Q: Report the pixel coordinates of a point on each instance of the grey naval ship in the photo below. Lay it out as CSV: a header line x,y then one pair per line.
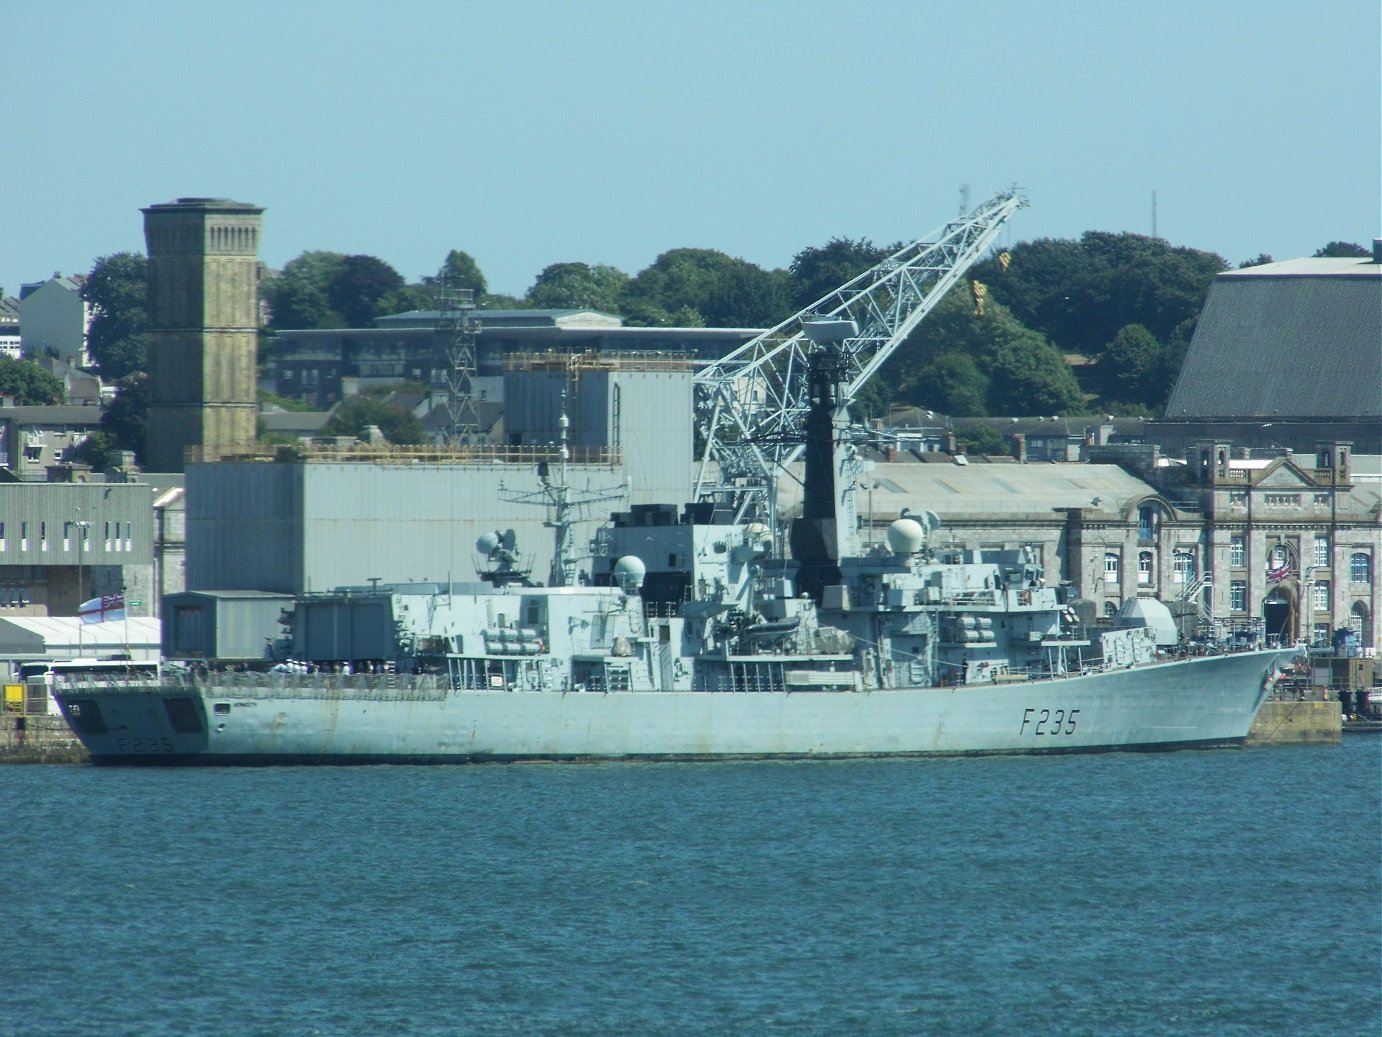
x,y
690,638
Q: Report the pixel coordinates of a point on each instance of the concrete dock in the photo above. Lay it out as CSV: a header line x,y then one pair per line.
x,y
1295,722
38,739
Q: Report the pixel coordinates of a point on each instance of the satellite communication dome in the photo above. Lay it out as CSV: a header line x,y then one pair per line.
x,y
487,543
905,536
629,572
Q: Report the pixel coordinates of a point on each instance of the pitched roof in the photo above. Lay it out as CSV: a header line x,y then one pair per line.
x,y
1300,339
982,491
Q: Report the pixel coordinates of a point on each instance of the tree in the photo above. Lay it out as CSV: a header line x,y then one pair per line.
x,y
1131,367
816,272
459,270
299,295
982,439
1079,294
298,303
117,291
1028,375
1341,250
124,418
578,286
398,425
357,288
406,299
952,384
1262,259
27,384
96,450
709,288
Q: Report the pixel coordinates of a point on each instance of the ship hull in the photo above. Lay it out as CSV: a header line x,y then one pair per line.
x,y
1194,703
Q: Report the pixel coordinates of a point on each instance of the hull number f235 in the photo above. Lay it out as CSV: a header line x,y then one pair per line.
x,y
1044,721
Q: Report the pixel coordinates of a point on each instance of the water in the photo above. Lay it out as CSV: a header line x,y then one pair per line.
x,y
1229,892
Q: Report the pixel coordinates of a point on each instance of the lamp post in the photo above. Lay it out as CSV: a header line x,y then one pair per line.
x,y
869,486
80,525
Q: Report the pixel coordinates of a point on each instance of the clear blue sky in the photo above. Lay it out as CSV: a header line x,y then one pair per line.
x,y
535,131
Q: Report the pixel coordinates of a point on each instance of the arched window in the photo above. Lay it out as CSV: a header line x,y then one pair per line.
x,y
1184,563
1110,568
1146,522
1360,567
1144,567
1358,619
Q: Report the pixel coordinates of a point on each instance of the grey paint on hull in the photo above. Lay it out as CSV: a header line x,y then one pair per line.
x,y
1203,702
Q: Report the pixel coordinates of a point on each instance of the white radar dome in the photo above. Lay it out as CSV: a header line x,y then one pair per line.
x,y
629,572
905,536
487,543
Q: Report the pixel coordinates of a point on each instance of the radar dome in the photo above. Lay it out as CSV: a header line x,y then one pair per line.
x,y
487,543
905,536
629,572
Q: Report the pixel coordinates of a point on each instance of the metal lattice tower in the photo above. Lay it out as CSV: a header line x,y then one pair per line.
x,y
750,405
456,326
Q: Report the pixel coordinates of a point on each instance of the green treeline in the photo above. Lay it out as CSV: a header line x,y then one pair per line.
x,y
1098,324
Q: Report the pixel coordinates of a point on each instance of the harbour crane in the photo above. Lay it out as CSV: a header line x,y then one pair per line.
x,y
750,404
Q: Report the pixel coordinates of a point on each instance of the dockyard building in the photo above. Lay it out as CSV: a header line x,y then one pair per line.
x,y
324,367
1285,355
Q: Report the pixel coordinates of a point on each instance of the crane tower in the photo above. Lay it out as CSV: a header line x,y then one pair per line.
x,y
750,405
456,325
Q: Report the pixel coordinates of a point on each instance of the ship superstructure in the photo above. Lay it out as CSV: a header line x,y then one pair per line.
x,y
691,639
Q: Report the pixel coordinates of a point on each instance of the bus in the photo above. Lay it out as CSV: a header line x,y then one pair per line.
x,y
33,694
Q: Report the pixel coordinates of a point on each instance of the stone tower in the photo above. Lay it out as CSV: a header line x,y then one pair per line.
x,y
203,319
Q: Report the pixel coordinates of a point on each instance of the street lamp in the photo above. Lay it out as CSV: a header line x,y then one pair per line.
x,y
81,525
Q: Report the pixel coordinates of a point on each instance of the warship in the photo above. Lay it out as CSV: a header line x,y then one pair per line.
x,y
692,636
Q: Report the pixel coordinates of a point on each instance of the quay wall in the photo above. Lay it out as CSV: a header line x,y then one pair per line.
x,y
38,739
1288,722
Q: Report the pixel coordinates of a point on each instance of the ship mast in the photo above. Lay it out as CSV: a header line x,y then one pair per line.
x,y
555,493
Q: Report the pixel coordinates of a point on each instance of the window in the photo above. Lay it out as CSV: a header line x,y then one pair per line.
x,y
1359,564
1184,565
1238,595
1146,522
1110,568
1237,553
1144,567
1322,550
1321,596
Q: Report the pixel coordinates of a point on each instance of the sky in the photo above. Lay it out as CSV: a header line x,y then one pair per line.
x,y
533,132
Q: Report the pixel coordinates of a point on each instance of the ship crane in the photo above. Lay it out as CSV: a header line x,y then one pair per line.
x,y
750,405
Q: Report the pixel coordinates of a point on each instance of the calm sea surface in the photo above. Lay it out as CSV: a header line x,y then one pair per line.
x,y
1228,892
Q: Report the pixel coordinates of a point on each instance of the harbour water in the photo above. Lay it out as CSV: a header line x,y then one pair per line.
x,y
1224,892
